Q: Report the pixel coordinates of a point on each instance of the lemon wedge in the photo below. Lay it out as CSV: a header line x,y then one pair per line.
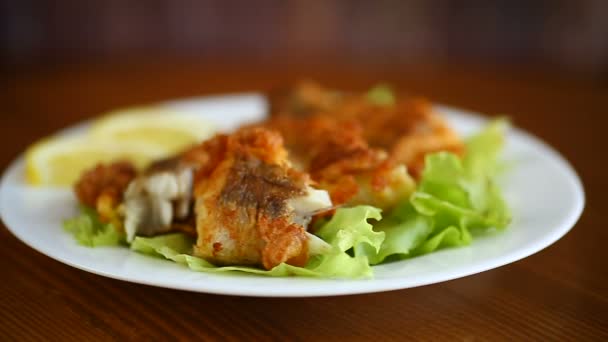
x,y
171,131
139,135
59,161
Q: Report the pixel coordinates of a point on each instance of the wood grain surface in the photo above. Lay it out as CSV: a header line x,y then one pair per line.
x,y
561,293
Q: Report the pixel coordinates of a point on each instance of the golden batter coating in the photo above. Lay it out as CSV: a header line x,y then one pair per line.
x,y
102,187
407,129
357,148
243,212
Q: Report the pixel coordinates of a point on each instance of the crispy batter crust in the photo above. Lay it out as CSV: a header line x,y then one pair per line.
x,y
242,212
351,145
336,155
108,181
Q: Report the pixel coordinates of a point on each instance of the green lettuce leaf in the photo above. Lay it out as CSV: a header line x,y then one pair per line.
x,y
464,192
381,95
455,196
89,231
347,228
404,230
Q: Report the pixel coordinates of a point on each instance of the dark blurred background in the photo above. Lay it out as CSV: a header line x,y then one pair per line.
x,y
569,36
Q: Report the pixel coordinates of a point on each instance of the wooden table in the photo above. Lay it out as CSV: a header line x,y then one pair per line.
x,y
560,293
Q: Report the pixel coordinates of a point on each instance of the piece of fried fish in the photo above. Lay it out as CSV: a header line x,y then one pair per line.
x,y
251,206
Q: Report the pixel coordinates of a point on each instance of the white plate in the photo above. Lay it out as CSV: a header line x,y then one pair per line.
x,y
543,191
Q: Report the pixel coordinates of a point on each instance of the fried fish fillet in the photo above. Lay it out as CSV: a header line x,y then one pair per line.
x,y
407,129
337,156
102,188
252,207
159,199
104,180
